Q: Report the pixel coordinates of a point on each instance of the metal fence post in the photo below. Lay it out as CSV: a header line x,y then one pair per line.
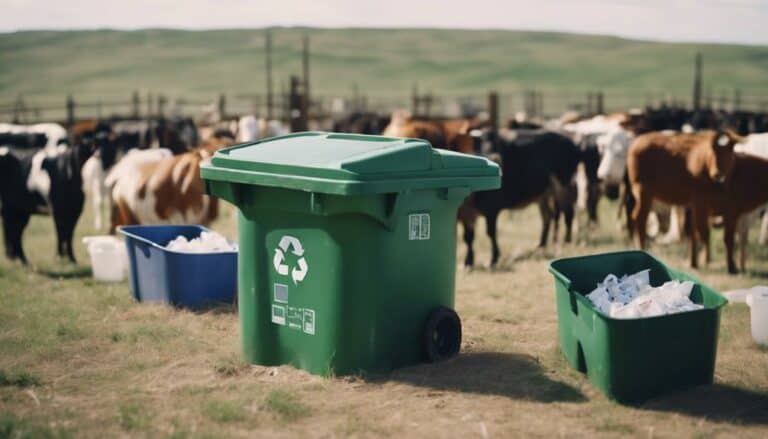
x,y
70,104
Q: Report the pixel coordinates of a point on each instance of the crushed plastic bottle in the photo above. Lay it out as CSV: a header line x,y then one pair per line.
x,y
207,242
633,297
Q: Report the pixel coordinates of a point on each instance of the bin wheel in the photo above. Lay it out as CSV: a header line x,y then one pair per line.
x,y
442,334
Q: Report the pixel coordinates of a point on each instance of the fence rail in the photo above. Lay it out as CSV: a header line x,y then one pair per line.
x,y
544,103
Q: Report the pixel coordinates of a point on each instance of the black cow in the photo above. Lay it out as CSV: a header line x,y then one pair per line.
x,y
55,187
362,123
24,140
537,166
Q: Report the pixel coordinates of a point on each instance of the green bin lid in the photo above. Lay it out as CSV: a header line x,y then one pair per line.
x,y
349,164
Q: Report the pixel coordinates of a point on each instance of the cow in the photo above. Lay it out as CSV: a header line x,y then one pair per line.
x,y
738,200
362,123
537,166
42,135
173,134
754,145
679,170
452,134
742,193
250,128
168,191
96,182
43,182
597,137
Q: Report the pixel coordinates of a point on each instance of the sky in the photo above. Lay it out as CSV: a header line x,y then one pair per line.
x,y
720,21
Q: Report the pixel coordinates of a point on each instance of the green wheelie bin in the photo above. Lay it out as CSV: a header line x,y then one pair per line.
x,y
347,248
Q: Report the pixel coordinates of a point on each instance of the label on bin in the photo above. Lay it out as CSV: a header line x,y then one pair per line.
x,y
278,314
294,317
281,293
418,226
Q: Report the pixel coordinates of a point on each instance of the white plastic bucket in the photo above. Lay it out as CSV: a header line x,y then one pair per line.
x,y
758,304
109,260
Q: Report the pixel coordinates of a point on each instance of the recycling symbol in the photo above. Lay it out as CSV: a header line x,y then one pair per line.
x,y
299,272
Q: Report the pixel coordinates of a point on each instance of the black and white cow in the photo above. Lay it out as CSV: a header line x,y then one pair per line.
x,y
43,182
538,166
41,135
175,134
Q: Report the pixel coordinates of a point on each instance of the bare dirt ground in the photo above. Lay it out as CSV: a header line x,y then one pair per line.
x,y
80,358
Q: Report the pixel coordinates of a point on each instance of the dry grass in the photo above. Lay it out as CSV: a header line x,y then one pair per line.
x,y
79,358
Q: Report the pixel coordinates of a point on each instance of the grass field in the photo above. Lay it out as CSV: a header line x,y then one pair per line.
x,y
82,359
46,65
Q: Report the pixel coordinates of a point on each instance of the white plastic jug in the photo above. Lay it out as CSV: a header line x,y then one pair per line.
x,y
109,259
758,304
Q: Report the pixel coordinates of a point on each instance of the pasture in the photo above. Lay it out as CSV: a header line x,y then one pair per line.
x,y
45,66
83,359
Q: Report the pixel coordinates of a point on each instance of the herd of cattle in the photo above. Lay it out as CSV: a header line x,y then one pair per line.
x,y
148,172
678,167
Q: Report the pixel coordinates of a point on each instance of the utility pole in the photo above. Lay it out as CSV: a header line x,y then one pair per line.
x,y
697,83
305,65
493,114
415,99
268,54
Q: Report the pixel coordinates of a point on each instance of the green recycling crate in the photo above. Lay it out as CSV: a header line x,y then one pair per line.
x,y
347,247
632,360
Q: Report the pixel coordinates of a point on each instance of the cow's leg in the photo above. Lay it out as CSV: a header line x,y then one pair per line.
x,y
593,198
8,235
490,226
568,213
628,202
468,218
642,207
59,224
728,235
764,229
97,201
69,231
14,223
545,210
70,222
673,233
700,216
65,221
121,216
556,213
742,230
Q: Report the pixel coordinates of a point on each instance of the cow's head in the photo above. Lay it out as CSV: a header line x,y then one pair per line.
x,y
613,147
461,140
719,161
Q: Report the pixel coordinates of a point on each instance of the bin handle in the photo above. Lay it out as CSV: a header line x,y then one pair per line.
x,y
394,206
144,247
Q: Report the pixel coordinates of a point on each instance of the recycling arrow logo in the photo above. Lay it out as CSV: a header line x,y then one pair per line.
x,y
299,272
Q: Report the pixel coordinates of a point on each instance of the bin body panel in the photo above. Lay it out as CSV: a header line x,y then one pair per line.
x,y
367,292
190,280
634,360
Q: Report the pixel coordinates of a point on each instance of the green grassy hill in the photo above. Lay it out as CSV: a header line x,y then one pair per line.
x,y
46,65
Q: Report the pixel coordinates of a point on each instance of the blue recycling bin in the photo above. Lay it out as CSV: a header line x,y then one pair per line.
x,y
189,280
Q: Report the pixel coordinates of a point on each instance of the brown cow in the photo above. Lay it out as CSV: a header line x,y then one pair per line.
x,y
682,170
450,134
169,191
744,191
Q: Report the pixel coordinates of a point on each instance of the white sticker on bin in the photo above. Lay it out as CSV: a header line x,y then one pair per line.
x,y
418,226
